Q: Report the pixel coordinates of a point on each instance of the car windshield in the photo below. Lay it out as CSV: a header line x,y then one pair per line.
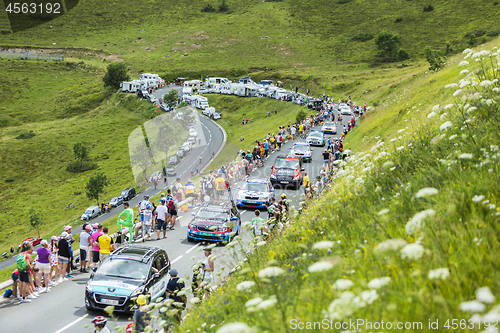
x,y
124,268
124,193
286,164
255,187
329,124
88,211
300,147
114,199
213,213
315,134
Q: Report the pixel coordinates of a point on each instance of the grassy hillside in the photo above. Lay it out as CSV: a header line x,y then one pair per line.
x,y
408,232
302,34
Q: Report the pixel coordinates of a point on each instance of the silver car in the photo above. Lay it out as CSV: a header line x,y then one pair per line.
x,y
329,128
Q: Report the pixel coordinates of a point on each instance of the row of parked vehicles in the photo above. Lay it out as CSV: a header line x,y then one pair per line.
x,y
95,211
184,149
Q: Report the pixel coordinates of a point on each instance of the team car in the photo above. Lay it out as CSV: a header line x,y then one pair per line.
x,y
255,193
126,273
329,127
287,171
316,138
215,221
303,150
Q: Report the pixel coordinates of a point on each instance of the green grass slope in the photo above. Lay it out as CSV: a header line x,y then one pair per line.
x,y
302,34
408,234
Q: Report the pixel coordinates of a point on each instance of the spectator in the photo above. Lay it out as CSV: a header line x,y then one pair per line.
x,y
161,219
190,189
95,244
85,241
259,226
43,265
71,240
106,245
54,260
15,280
178,186
64,256
208,268
174,286
171,209
141,318
220,185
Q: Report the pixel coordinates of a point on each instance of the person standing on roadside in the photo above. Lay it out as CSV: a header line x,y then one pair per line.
x,y
259,226
43,264
128,222
306,182
179,187
171,209
141,318
54,260
208,268
71,240
161,219
106,245
64,256
95,245
85,241
174,286
24,268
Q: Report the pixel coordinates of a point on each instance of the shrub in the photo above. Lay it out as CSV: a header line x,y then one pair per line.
x,y
389,45
363,37
26,135
477,33
398,20
344,1
434,58
209,8
9,179
403,55
429,8
472,41
448,49
223,8
300,116
115,74
494,33
77,193
80,166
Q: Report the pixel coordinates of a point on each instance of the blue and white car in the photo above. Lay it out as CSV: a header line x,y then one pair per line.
x,y
255,193
316,138
303,150
329,128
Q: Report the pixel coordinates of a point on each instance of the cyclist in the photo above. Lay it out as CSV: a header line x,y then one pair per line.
x,y
145,209
100,324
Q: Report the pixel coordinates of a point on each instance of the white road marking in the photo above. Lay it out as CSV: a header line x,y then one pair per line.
x,y
243,211
69,325
172,261
194,247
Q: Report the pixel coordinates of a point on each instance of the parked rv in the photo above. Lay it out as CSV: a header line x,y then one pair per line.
x,y
199,102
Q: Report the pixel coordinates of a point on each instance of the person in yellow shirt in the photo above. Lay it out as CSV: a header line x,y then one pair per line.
x,y
301,127
106,244
220,185
306,181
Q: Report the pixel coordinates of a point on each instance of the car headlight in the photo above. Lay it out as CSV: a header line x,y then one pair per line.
x,y
223,228
89,286
272,176
192,226
137,292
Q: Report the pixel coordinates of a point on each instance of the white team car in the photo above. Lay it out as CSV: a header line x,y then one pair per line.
x,y
255,193
301,149
329,127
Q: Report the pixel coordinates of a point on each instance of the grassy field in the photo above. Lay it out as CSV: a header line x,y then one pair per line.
x,y
176,38
408,232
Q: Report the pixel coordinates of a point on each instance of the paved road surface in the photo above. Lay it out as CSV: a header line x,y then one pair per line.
x,y
62,309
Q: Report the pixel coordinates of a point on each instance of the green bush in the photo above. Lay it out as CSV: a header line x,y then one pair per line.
x,y
343,1
223,8
26,135
403,55
494,33
448,49
300,116
472,41
363,37
209,8
9,179
429,8
80,166
435,59
398,20
477,33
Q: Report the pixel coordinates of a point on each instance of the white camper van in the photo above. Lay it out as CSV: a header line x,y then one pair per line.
x,y
149,79
199,102
208,111
193,84
131,86
216,82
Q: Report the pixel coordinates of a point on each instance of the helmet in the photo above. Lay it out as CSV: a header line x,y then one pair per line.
x,y
100,320
146,196
283,195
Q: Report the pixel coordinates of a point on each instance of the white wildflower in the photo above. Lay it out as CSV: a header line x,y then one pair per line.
x,y
439,273
359,181
457,93
261,243
467,51
447,106
342,307
464,71
245,285
496,89
484,295
451,85
253,302
478,198
236,327
412,251
379,282
320,266
492,316
472,108
481,54
342,284
464,83
365,298
463,63
390,245
485,83
194,300
432,114
415,224
270,272
445,125
267,303
400,148
465,156
492,206
323,245
472,306
436,107
426,191
383,212
388,164
453,136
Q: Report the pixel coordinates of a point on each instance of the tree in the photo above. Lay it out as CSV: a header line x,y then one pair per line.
x,y
116,73
36,220
300,116
96,185
472,41
170,98
223,7
388,45
80,151
435,59
403,55
448,49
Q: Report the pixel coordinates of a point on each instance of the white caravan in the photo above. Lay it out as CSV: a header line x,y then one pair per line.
x,y
216,83
131,86
199,102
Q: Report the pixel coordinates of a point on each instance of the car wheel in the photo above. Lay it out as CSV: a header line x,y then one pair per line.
x,y
190,239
